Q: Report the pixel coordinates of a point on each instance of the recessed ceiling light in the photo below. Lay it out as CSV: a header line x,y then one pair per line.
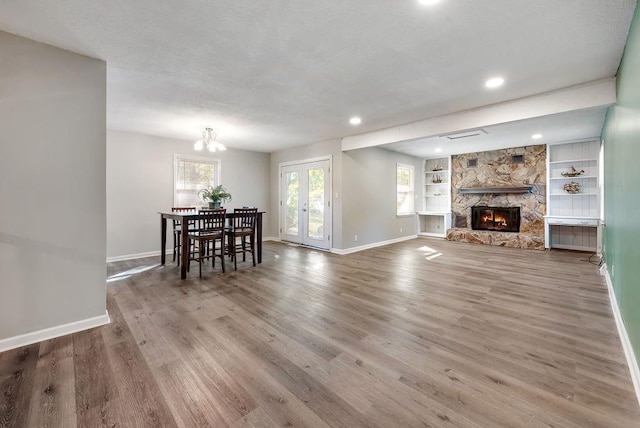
x,y
494,82
536,136
428,2
438,149
355,121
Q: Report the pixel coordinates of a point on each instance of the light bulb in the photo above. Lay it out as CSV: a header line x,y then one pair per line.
x,y
495,82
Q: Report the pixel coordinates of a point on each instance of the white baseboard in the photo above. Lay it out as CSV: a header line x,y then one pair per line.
x,y
372,245
632,361
137,256
157,253
53,332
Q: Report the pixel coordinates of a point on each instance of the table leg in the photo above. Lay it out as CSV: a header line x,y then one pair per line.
x,y
259,233
185,249
163,239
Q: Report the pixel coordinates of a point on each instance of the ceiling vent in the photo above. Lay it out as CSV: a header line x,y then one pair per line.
x,y
465,134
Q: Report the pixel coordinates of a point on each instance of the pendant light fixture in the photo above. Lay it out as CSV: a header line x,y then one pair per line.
x,y
209,141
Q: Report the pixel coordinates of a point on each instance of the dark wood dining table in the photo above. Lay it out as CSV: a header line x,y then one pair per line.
x,y
184,218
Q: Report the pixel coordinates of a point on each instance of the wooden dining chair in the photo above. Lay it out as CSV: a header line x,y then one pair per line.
x,y
177,231
210,228
243,226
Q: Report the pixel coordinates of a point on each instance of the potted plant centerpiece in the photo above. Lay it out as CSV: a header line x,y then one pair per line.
x,y
215,195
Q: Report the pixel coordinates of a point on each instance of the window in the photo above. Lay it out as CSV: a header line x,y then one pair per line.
x,y
192,174
405,189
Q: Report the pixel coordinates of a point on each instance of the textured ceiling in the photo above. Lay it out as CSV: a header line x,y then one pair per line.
x,y
576,125
274,74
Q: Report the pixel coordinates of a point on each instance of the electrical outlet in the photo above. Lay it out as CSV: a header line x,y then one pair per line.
x,y
355,238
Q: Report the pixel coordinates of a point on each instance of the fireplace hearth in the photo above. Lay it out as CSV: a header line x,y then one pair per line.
x,y
503,219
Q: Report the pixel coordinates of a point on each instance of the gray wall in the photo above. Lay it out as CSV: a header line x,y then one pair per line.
x,y
369,202
331,148
52,170
140,183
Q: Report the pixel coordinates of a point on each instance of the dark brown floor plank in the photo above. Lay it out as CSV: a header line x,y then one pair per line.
x,y
97,401
17,375
53,402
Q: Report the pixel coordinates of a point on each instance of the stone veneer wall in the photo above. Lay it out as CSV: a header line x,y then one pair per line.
x,y
496,169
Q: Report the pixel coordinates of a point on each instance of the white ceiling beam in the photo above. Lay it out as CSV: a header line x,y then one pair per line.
x,y
594,94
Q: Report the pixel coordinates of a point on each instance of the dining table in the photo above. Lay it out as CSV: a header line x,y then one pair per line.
x,y
186,217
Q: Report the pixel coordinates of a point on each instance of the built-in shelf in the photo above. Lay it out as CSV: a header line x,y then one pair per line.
x,y
572,161
572,178
511,189
572,218
433,212
573,194
435,219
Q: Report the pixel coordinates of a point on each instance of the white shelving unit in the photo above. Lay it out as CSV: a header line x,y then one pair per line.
x,y
572,221
435,219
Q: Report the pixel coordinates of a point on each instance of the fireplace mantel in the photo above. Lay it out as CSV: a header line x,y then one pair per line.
x,y
505,189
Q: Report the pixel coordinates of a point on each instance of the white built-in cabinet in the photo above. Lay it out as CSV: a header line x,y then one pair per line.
x,y
573,219
435,218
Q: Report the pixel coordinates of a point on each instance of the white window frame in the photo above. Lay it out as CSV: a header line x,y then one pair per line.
x,y
412,191
204,159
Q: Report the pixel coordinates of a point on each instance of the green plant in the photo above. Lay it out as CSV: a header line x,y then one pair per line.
x,y
215,194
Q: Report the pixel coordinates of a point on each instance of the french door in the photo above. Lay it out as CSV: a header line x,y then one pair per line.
x,y
305,205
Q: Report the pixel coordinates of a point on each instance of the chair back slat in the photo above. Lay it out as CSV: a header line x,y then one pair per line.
x,y
212,220
178,223
244,218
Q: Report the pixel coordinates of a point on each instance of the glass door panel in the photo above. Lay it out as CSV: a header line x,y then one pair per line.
x,y
291,218
305,204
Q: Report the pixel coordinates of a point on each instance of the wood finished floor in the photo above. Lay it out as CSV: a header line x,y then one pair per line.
x,y
476,337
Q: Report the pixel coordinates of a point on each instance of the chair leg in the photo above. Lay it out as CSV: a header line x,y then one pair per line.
x,y
177,245
252,240
233,253
200,253
174,247
222,253
232,246
191,254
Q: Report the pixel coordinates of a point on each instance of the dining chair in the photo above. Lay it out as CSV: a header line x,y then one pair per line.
x,y
177,231
210,228
243,225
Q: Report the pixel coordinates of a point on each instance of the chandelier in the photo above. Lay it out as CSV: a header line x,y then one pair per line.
x,y
209,141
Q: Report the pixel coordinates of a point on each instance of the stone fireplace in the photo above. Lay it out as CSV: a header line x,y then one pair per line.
x,y
505,181
495,218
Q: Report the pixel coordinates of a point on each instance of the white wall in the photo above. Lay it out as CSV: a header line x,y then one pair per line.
x,y
52,175
326,148
369,203
140,183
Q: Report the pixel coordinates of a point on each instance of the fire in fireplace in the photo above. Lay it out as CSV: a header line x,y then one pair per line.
x,y
495,218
